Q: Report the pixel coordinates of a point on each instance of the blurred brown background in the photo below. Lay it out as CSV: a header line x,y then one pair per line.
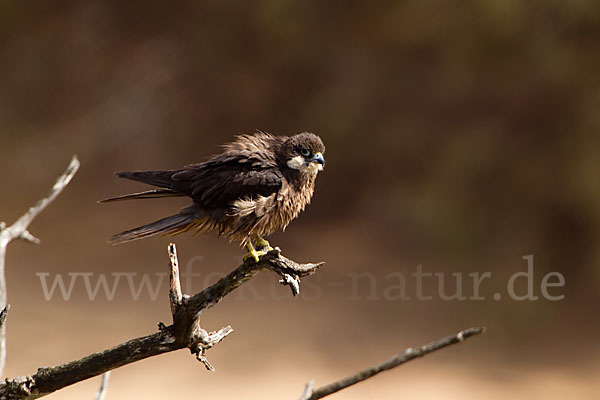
x,y
460,136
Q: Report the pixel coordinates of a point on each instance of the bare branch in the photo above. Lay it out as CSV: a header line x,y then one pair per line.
x,y
196,338
207,340
18,230
308,389
273,260
405,356
3,315
186,318
102,390
20,226
185,332
28,237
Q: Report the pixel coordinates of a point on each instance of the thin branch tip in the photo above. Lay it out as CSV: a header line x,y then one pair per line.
x,y
19,230
175,294
204,340
102,390
28,237
308,390
3,315
399,359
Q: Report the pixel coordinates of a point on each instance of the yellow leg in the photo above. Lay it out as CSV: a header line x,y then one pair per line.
x,y
252,252
261,243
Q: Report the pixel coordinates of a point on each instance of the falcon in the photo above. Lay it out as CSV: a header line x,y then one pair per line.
x,y
257,185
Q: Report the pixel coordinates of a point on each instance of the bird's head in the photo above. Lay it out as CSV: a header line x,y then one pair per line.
x,y
304,152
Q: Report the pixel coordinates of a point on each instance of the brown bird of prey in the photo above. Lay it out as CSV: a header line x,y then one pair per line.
x,y
259,184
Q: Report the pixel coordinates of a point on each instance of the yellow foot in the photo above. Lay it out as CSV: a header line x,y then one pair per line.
x,y
262,244
253,253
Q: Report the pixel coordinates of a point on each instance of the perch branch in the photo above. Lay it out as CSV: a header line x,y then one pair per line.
x,y
197,339
18,230
186,318
185,332
273,261
405,356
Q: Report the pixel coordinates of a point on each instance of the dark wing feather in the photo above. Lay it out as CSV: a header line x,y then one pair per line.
x,y
229,177
216,183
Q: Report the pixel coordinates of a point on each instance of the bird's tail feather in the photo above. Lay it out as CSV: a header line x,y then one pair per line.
x,y
157,178
172,224
148,194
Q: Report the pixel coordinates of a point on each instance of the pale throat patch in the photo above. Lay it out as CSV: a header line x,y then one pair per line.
x,y
298,163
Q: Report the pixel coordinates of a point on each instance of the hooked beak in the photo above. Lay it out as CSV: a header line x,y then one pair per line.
x,y
318,158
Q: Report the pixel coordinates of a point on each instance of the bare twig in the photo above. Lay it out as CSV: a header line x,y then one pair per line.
x,y
308,389
206,340
3,314
102,390
28,237
18,230
405,356
175,296
185,332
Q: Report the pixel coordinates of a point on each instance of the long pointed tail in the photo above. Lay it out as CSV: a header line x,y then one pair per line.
x,y
159,178
172,224
148,194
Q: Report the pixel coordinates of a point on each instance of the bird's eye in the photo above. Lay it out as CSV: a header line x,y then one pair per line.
x,y
305,152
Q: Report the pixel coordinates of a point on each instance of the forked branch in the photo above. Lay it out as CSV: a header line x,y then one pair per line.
x,y
185,332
